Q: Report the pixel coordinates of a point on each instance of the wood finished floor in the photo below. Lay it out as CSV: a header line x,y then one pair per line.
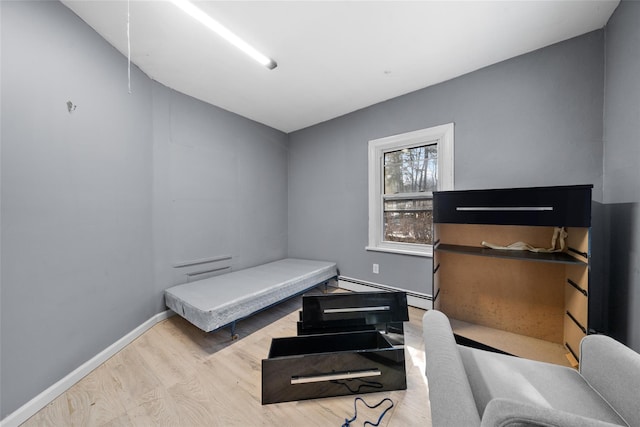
x,y
177,375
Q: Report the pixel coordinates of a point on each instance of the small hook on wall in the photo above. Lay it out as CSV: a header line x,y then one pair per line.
x,y
71,106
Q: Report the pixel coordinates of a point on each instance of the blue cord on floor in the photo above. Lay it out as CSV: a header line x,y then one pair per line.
x,y
347,423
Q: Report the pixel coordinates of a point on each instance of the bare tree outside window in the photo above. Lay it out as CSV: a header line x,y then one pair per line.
x,y
410,177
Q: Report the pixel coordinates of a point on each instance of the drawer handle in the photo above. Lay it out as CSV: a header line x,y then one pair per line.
x,y
356,309
504,208
335,376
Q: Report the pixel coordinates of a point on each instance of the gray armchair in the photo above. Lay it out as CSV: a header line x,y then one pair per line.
x,y
471,387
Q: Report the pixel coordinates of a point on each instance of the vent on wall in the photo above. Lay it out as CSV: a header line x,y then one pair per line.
x,y
189,271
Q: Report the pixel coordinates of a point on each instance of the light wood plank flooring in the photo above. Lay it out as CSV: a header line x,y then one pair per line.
x,y
177,375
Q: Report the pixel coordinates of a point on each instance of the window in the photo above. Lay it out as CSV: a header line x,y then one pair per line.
x,y
404,171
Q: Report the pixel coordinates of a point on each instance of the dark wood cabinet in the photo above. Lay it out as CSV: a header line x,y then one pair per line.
x,y
526,303
347,344
337,364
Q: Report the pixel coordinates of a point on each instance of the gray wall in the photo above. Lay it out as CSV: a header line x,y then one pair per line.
x,y
621,171
99,204
77,266
532,120
220,188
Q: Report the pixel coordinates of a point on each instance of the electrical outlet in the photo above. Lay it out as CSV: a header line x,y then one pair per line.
x,y
376,268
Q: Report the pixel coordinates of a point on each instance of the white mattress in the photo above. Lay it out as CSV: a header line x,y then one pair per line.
x,y
217,301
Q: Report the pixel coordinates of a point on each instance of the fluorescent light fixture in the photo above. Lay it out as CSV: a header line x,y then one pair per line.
x,y
224,32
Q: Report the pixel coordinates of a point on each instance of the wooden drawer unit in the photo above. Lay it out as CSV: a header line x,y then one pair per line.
x,y
537,295
337,364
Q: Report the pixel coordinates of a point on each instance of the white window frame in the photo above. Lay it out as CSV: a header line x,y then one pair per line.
x,y
441,135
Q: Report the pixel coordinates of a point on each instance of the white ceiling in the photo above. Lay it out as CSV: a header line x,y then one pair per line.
x,y
334,57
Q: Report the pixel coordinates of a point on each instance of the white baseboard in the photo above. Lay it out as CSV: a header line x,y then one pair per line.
x,y
414,299
30,408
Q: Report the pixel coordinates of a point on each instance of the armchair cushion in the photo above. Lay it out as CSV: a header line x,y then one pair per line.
x,y
538,384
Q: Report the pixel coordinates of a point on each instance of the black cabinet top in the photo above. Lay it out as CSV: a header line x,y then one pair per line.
x,y
566,206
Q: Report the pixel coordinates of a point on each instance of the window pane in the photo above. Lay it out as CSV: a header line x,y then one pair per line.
x,y
408,221
411,170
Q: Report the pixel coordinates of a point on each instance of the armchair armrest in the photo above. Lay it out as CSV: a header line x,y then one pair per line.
x,y
452,402
510,413
613,370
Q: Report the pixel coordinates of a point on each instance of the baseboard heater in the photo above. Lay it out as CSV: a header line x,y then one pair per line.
x,y
424,300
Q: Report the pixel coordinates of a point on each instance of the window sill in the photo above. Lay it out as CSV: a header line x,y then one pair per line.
x,y
427,253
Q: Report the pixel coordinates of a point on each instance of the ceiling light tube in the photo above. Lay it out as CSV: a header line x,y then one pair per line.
x,y
196,13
